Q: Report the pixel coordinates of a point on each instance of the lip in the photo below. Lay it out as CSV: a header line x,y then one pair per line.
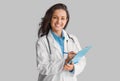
x,y
57,25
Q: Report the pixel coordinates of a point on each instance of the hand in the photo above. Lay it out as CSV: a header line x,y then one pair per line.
x,y
69,67
70,56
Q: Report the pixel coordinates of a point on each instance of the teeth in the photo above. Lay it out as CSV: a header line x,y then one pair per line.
x,y
57,25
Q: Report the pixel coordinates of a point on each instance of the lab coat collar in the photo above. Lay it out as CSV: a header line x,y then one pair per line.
x,y
64,32
55,44
65,35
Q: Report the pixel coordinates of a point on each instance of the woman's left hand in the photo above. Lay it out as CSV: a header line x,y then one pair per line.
x,y
69,67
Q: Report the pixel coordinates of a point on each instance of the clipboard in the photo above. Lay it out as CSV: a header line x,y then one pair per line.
x,y
80,54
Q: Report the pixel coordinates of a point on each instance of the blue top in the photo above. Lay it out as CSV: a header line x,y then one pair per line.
x,y
60,40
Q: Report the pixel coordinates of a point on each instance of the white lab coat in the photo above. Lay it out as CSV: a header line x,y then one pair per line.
x,y
52,64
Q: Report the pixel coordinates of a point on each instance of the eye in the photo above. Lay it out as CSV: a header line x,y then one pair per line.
x,y
54,17
63,18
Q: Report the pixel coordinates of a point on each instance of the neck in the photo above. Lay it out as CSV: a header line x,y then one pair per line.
x,y
59,33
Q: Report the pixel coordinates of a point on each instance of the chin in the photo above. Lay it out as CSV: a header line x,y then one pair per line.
x,y
58,29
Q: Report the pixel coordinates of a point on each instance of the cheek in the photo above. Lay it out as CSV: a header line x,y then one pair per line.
x,y
65,22
53,21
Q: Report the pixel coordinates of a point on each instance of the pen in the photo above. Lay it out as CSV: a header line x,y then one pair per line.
x,y
65,52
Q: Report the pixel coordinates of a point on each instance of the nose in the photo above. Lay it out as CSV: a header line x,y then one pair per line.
x,y
58,20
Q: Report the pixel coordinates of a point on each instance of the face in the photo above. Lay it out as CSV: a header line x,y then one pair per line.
x,y
59,19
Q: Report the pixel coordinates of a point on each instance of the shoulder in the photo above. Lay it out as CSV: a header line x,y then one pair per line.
x,y
73,36
41,39
69,35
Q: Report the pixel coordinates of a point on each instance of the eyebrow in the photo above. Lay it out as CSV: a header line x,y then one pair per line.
x,y
61,16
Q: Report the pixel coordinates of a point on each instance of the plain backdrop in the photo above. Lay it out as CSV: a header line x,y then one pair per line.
x,y
94,22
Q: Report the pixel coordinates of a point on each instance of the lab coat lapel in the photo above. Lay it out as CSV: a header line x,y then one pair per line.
x,y
55,44
65,41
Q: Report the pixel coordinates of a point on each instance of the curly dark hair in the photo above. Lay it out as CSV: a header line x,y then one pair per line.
x,y
45,23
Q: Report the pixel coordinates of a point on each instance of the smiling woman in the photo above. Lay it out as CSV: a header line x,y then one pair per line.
x,y
58,21
52,45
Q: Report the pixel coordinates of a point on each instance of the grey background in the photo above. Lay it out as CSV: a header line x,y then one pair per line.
x,y
94,22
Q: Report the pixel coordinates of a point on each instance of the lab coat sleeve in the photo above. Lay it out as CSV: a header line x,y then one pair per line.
x,y
44,63
79,67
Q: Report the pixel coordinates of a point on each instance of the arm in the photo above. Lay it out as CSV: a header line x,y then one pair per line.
x,y
79,67
44,63
69,66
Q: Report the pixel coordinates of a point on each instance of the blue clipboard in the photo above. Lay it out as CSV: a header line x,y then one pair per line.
x,y
79,55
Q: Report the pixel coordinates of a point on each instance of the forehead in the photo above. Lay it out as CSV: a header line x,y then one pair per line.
x,y
59,12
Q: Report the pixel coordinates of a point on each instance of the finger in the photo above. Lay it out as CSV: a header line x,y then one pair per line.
x,y
72,63
72,52
66,68
69,65
69,68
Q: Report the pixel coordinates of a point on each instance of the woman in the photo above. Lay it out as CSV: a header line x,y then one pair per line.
x,y
55,47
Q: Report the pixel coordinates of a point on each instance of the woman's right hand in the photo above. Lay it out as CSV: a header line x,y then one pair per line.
x,y
70,56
